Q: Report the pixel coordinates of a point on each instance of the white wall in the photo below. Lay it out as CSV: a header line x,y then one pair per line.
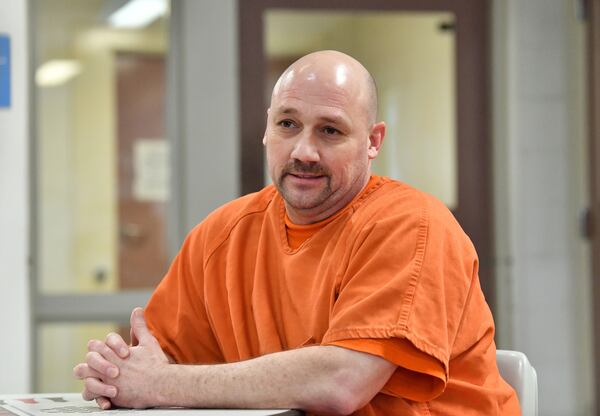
x,y
14,210
540,186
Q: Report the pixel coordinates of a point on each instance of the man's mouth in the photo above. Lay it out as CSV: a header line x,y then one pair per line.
x,y
303,180
305,175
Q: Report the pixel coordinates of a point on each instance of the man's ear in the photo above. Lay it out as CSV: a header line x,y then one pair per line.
x,y
376,139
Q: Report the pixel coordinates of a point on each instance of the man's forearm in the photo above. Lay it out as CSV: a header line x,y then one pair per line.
x,y
322,379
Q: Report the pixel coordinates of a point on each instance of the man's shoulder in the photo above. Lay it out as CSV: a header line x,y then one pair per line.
x,y
394,199
224,218
252,203
391,196
396,207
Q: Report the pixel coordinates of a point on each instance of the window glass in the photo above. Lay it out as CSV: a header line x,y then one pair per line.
x,y
63,346
412,57
102,166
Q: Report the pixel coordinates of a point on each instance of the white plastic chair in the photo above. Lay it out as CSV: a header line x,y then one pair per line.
x,y
515,368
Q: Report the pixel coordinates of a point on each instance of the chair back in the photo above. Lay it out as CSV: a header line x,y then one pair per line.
x,y
515,368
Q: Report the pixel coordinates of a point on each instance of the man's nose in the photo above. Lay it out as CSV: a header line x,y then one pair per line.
x,y
306,148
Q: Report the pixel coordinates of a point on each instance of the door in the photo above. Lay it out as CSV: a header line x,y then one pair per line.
x,y
473,204
142,156
91,206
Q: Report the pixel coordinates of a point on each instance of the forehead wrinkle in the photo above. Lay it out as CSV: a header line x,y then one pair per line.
x,y
336,98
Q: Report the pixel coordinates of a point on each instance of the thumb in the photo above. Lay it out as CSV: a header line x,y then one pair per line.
x,y
139,329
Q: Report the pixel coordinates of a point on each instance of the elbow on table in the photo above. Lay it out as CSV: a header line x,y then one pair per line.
x,y
347,382
347,404
336,404
340,399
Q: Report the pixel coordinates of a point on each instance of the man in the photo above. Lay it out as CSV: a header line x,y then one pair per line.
x,y
333,291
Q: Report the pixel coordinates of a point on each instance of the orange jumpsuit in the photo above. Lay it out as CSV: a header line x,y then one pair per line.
x,y
391,274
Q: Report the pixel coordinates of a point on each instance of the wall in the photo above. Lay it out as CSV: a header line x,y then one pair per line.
x,y
14,209
540,187
203,111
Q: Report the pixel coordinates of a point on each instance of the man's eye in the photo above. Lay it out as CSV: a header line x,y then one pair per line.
x,y
330,131
287,124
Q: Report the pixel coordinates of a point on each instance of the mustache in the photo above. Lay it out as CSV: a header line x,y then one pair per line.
x,y
297,166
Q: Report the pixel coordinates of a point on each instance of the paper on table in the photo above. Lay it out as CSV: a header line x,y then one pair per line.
x,y
73,404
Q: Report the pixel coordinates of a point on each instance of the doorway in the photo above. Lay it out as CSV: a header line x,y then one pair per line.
x,y
143,167
82,286
466,20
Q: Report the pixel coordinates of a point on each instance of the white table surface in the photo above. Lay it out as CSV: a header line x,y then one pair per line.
x,y
72,404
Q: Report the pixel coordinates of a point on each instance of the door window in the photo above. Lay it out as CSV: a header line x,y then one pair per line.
x,y
411,56
101,172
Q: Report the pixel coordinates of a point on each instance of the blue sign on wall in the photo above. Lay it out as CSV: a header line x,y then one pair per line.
x,y
4,71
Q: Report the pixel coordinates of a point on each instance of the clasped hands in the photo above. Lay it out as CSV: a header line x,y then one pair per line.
x,y
121,375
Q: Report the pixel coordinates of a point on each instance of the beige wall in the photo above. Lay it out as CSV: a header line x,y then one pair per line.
x,y
416,84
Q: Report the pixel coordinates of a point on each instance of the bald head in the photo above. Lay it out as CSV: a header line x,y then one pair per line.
x,y
331,71
321,134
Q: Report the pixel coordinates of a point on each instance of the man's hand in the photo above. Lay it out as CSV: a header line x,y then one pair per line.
x,y
121,375
319,379
139,377
97,368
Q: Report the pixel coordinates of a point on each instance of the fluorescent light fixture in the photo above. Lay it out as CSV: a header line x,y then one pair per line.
x,y
138,13
56,72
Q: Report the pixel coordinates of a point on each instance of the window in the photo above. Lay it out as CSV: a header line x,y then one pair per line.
x,y
101,171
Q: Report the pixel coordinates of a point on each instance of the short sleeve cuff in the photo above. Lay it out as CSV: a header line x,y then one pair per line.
x,y
419,376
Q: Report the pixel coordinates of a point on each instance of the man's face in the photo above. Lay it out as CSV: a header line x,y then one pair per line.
x,y
317,141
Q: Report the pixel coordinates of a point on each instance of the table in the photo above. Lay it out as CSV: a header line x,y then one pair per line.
x,y
73,404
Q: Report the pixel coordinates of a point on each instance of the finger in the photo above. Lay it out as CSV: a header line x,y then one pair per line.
x,y
104,350
97,362
82,370
140,329
88,395
96,388
93,342
117,344
103,403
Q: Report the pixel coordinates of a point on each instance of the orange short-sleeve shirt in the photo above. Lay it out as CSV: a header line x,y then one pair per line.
x,y
392,274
